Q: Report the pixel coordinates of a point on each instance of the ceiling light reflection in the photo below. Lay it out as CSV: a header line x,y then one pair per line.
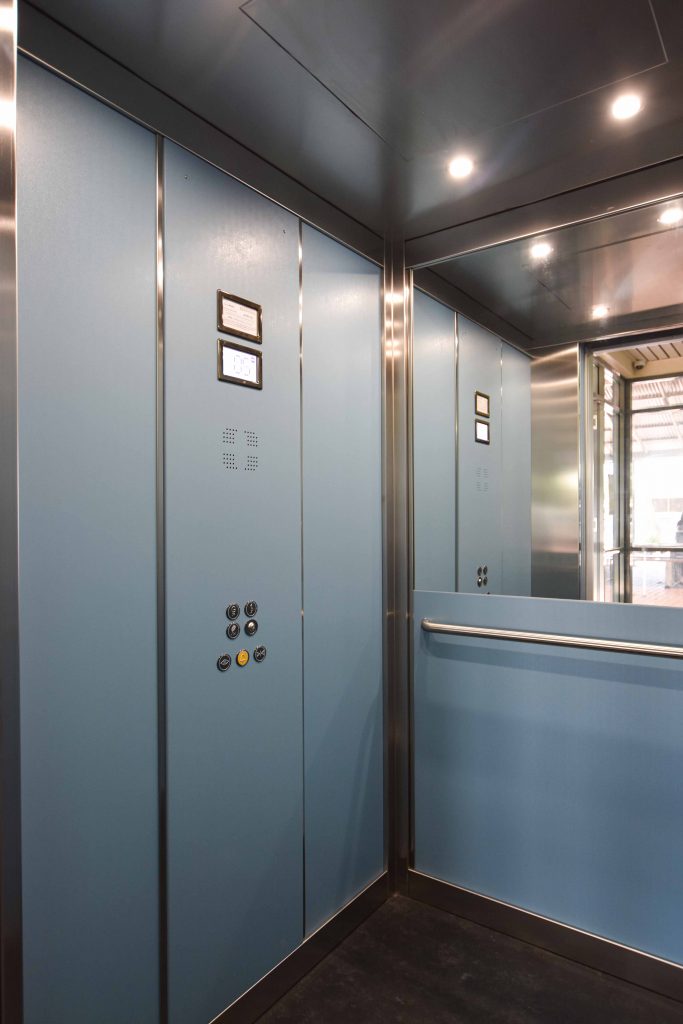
x,y
600,311
461,166
627,105
672,215
540,250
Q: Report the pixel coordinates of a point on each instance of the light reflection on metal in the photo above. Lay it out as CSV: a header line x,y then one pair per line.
x,y
555,514
10,829
397,547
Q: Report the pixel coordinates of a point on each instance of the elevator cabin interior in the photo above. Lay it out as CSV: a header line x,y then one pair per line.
x,y
343,550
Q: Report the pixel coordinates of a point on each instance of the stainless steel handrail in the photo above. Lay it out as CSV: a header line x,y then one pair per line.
x,y
587,643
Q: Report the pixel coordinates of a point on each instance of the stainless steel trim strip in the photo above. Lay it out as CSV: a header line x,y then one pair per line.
x,y
301,541
161,591
397,533
632,965
11,995
47,42
256,1000
585,643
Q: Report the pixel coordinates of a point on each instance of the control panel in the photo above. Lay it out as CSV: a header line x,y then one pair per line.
x,y
242,657
482,576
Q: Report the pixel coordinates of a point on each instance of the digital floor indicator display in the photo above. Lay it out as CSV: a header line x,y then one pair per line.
x,y
239,365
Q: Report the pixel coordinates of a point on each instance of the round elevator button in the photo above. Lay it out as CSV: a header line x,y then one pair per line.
x,y
233,631
242,658
224,663
259,653
232,611
251,627
250,609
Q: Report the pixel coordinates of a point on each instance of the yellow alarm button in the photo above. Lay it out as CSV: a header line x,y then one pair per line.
x,y
242,658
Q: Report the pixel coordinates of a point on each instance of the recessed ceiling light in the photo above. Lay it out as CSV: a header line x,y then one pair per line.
x,y
626,105
461,166
599,312
540,250
673,215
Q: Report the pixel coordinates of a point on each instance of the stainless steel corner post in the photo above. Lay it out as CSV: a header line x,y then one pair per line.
x,y
10,835
398,556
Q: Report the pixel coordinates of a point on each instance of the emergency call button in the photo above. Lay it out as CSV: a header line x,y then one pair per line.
x,y
242,658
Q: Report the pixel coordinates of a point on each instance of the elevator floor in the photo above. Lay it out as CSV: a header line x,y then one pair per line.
x,y
412,964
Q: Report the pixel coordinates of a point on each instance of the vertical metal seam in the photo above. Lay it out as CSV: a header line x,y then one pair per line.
x,y
397,568
385,560
301,493
407,283
11,939
456,424
161,589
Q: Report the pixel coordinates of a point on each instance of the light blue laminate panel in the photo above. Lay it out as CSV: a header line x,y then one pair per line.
x,y
549,778
479,487
342,575
233,516
87,315
434,430
515,444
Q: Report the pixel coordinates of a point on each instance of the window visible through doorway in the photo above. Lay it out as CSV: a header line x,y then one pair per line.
x,y
635,479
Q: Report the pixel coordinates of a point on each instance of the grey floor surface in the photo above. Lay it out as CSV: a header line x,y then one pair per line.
x,y
412,964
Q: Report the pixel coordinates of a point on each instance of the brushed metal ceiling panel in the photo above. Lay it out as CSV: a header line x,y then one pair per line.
x,y
628,262
428,77
425,77
207,55
669,17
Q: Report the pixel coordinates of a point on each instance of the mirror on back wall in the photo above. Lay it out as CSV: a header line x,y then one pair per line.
x,y
548,450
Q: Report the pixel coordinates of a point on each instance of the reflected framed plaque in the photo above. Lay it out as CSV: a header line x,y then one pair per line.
x,y
482,404
239,365
240,317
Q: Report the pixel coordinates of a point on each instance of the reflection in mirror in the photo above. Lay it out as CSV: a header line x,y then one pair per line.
x,y
548,421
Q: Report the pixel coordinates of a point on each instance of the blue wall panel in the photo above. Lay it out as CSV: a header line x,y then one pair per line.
x,y
87,314
233,534
434,429
515,448
550,779
342,575
479,465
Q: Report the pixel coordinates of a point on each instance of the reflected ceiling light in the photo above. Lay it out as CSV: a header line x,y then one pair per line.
x,y
540,250
8,20
627,105
673,215
8,114
461,166
599,312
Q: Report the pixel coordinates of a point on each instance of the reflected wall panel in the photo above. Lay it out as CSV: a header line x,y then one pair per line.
x,y
479,465
233,521
342,574
87,315
515,447
434,435
550,778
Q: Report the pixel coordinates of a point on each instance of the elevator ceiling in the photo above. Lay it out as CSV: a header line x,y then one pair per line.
x,y
617,275
365,102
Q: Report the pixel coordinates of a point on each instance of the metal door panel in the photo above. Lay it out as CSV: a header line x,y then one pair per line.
x,y
87,316
434,431
233,525
342,574
479,465
550,778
